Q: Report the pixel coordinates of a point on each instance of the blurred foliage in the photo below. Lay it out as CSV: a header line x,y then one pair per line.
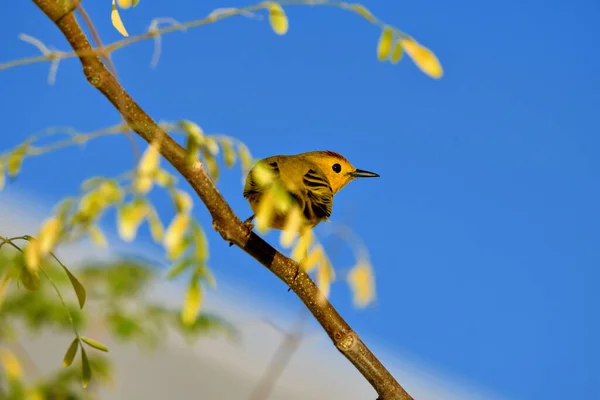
x,y
118,300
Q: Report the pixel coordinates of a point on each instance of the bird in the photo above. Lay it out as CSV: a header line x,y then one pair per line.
x,y
311,179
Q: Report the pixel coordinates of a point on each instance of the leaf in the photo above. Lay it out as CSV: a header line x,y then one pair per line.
x,y
11,364
174,235
212,146
15,160
277,18
325,275
97,236
48,235
301,249
182,200
397,53
229,155
95,344
200,243
245,157
423,58
385,43
164,179
77,286
129,218
156,226
180,267
291,228
146,169
30,279
116,21
362,283
363,12
71,353
32,255
211,165
124,3
86,370
316,257
191,305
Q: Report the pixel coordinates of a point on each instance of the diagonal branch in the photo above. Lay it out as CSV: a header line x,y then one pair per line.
x,y
229,226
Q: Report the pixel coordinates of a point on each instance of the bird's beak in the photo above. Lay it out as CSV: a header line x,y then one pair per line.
x,y
359,173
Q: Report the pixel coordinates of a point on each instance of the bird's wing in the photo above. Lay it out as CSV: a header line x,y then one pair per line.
x,y
319,196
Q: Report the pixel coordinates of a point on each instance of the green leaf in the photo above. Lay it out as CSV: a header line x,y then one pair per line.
x,y
77,286
30,279
94,344
71,352
86,370
179,268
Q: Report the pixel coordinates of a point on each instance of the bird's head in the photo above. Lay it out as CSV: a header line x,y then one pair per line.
x,y
337,168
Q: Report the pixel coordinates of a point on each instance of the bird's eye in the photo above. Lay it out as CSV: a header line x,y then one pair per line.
x,y
336,168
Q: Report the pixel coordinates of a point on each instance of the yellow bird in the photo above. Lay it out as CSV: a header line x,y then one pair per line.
x,y
312,179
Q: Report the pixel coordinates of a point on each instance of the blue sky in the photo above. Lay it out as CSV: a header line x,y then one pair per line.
x,y
483,227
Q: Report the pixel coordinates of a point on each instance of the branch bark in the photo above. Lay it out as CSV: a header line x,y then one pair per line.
x,y
225,221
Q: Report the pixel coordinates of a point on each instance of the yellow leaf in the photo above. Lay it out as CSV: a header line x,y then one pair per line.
x,y
277,18
77,286
182,200
316,257
11,364
146,169
175,232
200,243
301,249
212,146
362,283
15,160
325,275
97,236
362,11
397,53
86,370
192,129
292,227
32,255
94,344
265,212
71,352
263,175
116,20
156,226
423,58
129,218
191,305
245,157
49,234
110,191
124,3
164,179
229,155
385,43
211,164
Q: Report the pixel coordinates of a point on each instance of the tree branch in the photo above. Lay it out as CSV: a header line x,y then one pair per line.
x,y
229,226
